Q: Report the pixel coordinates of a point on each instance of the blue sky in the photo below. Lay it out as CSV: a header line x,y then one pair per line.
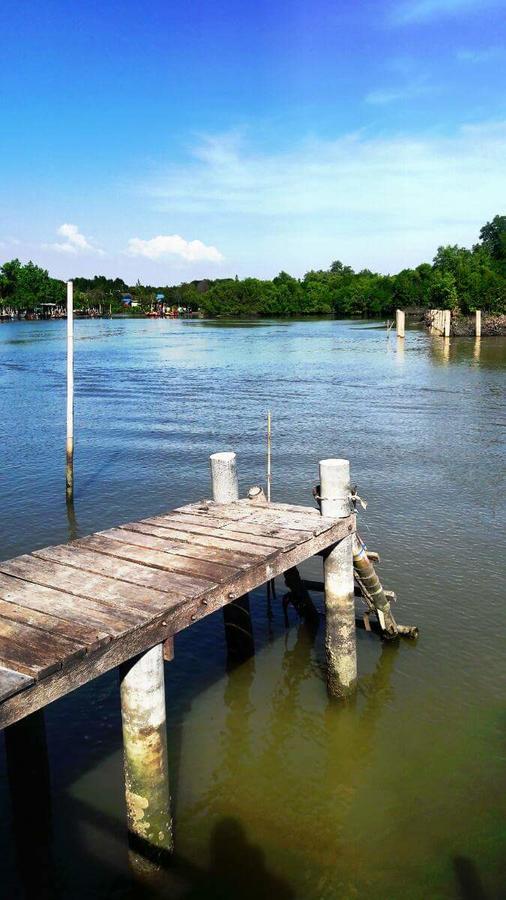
x,y
169,141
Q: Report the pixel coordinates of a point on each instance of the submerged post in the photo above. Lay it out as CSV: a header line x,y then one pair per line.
x,y
145,754
340,634
236,615
400,322
69,472
478,323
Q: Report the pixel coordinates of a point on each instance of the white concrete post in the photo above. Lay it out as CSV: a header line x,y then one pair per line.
x,y
400,322
340,634
69,471
224,477
236,615
478,323
447,318
145,754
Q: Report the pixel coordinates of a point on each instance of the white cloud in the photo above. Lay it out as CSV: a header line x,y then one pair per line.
x,y
74,242
479,56
409,91
167,245
354,179
413,11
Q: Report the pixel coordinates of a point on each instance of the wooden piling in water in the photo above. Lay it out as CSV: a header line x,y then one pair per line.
x,y
340,633
69,470
236,615
400,322
145,754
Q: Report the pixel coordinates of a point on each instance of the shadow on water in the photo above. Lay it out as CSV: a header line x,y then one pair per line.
x,y
236,868
94,478
469,883
30,796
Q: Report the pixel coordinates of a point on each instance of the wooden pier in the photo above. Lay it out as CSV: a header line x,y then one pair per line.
x,y
117,598
71,612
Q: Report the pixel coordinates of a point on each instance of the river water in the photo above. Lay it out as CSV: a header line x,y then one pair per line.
x,y
276,790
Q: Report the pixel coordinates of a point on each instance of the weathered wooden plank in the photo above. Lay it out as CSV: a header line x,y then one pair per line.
x,y
156,568
32,652
200,540
218,510
124,570
258,574
289,508
291,521
270,530
200,518
141,603
43,692
102,615
163,626
265,541
227,557
248,513
83,634
12,683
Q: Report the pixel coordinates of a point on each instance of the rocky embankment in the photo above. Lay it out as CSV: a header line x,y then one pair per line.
x,y
464,326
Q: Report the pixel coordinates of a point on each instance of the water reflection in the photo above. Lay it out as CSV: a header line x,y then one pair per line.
x,y
400,350
469,883
313,788
30,794
72,520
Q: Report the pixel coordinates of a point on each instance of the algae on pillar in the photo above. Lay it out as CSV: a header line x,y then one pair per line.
x,y
340,630
145,754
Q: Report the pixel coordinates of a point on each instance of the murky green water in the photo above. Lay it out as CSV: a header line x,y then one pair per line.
x,y
278,792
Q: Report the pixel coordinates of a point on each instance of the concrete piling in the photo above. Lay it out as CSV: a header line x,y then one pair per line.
x,y
145,754
340,632
400,322
224,477
236,615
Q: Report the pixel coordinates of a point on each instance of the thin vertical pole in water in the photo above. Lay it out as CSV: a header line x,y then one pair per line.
x,y
340,634
69,472
269,450
400,319
478,323
145,755
236,615
447,318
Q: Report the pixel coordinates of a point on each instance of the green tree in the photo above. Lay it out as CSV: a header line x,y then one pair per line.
x,y
493,237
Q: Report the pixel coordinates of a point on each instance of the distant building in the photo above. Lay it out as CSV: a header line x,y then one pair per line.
x,y
128,300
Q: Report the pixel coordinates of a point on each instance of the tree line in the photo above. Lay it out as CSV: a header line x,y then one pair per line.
x,y
459,278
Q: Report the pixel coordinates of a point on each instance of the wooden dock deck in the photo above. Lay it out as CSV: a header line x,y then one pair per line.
x,y
71,612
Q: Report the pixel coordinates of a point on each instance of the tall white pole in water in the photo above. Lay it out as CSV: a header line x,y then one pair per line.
x,y
269,448
70,392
